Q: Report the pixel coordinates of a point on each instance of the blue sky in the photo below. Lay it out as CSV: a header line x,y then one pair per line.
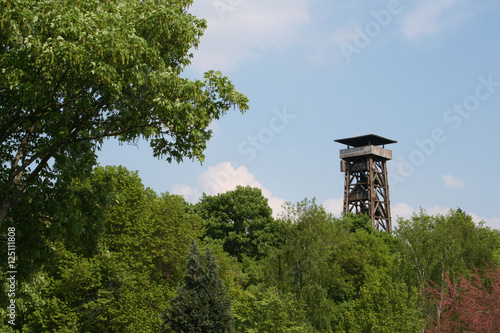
x,y
425,73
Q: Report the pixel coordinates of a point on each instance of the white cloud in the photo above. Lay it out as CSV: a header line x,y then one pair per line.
x,y
222,178
492,222
401,210
190,194
239,30
406,211
453,182
430,17
277,205
334,205
437,210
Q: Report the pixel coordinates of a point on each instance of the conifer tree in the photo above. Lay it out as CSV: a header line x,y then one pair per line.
x,y
202,304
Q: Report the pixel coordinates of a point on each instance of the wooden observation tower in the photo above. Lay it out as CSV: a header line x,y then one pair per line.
x,y
366,189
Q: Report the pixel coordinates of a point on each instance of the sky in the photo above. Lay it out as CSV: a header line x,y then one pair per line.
x,y
424,73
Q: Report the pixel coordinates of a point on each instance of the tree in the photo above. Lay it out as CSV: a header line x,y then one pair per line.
x,y
384,305
119,272
468,304
341,270
431,246
242,221
302,266
434,249
269,310
76,73
202,304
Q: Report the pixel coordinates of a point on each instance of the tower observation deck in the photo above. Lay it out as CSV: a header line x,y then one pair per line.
x,y
366,189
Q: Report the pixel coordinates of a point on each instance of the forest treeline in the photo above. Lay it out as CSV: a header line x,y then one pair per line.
x,y
91,249
107,254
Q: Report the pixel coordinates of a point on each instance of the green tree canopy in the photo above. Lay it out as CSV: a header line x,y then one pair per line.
x,y
269,310
431,246
384,305
202,304
117,272
76,72
302,266
242,221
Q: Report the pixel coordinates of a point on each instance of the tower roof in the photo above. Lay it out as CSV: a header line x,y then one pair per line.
x,y
366,140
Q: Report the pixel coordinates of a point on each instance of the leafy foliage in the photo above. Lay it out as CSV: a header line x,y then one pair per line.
x,y
110,254
241,220
75,73
384,306
269,310
118,279
431,246
202,303
302,265
468,304
99,252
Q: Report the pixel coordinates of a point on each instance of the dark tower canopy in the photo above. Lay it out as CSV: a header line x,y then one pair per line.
x,y
366,140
